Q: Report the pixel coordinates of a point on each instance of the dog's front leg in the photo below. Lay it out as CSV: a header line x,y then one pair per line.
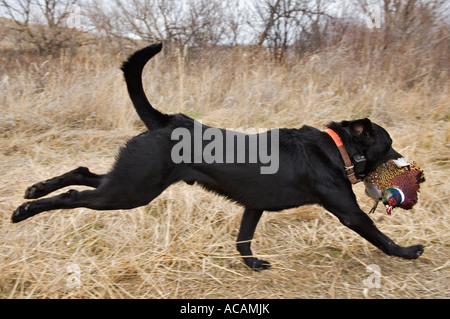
x,y
364,226
343,204
248,225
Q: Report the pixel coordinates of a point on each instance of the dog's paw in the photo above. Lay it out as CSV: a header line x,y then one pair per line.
x,y
21,213
412,252
257,264
35,191
261,265
416,251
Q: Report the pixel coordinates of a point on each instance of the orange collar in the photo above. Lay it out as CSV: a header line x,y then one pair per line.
x,y
348,163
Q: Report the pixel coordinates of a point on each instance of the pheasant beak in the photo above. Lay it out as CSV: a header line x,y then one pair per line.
x,y
389,209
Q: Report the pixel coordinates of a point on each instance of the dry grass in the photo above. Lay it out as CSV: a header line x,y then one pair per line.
x,y
59,114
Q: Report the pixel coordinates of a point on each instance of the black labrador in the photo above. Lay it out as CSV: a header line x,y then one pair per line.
x,y
305,168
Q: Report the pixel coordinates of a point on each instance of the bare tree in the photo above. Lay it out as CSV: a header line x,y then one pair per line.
x,y
191,22
205,23
237,17
403,20
280,23
42,23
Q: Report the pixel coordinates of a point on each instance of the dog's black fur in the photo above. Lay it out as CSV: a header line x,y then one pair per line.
x,y
311,171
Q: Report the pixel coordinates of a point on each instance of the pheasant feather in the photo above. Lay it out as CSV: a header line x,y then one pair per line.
x,y
395,183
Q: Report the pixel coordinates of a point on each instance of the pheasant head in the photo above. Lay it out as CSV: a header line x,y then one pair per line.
x,y
391,198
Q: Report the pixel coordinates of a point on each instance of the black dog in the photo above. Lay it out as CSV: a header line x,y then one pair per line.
x,y
309,169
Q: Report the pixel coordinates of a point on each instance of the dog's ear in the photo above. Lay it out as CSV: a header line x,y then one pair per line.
x,y
359,129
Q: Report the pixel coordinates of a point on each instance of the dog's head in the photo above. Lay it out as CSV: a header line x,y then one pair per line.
x,y
366,138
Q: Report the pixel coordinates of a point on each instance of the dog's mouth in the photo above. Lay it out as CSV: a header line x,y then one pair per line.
x,y
391,155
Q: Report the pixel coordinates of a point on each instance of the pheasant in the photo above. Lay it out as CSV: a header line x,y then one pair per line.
x,y
395,183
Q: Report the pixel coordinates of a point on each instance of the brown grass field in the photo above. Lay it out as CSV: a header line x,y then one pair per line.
x,y
58,114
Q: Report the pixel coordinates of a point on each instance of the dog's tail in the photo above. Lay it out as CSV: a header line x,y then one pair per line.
x,y
132,70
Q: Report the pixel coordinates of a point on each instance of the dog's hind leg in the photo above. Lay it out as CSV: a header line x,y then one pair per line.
x,y
109,197
248,225
78,176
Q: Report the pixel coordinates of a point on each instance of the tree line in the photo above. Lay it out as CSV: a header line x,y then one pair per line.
x,y
280,26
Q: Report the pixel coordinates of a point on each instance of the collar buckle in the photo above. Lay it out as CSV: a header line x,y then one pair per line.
x,y
348,165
